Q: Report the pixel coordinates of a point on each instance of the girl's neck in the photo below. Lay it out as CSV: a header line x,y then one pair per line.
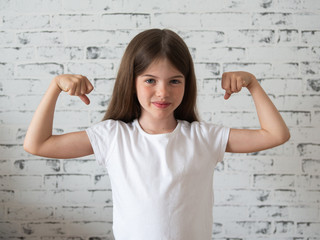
x,y
158,126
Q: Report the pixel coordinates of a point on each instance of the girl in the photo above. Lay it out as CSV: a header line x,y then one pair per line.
x,y
159,157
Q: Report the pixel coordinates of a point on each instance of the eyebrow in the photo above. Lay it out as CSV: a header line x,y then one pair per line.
x,y
149,75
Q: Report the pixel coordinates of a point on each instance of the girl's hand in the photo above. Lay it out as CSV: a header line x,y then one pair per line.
x,y
74,85
232,82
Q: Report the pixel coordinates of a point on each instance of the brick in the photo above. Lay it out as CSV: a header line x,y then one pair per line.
x,y
266,212
279,54
307,181
104,85
303,213
67,181
36,166
229,213
308,149
21,102
296,102
287,165
250,164
92,69
109,52
273,180
57,53
25,86
17,54
307,21
20,182
284,196
305,134
297,118
92,37
258,69
6,135
313,85
206,69
28,213
84,213
125,21
249,37
89,228
316,118
206,37
92,6
42,38
236,119
308,228
75,21
9,228
310,68
12,151
6,38
177,21
284,227
225,20
44,228
271,19
6,196
84,166
310,37
38,70
282,86
311,166
220,54
231,180
26,21
37,6
288,36
249,228
6,70
290,69
261,4
311,196
102,181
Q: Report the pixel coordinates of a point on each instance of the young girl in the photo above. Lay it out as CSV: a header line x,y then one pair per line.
x,y
159,157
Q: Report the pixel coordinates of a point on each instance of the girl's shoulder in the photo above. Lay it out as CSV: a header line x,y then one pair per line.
x,y
202,129
110,124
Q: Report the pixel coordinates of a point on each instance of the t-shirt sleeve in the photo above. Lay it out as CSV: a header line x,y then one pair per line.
x,y
102,137
217,139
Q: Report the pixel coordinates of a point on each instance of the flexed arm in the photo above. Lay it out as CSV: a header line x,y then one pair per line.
x,y
273,131
39,139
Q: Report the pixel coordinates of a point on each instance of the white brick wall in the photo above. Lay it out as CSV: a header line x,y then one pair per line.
x,y
273,194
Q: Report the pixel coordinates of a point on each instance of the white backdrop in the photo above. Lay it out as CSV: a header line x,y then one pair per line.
x,y
273,194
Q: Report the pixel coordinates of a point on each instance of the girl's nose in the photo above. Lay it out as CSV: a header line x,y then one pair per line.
x,y
162,90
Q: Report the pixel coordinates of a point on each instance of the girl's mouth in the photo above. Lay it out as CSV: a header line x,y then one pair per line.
x,y
161,104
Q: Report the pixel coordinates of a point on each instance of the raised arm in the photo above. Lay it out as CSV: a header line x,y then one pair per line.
x,y
273,131
39,139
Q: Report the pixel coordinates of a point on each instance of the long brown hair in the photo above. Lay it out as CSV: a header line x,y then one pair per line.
x,y
143,49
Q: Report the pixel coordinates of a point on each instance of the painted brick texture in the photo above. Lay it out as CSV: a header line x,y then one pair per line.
x,y
272,194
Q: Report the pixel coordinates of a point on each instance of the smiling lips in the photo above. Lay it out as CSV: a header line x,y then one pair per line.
x,y
161,104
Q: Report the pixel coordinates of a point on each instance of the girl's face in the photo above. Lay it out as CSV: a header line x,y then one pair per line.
x,y
160,90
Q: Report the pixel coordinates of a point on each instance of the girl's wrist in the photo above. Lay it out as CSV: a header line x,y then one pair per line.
x,y
253,83
54,84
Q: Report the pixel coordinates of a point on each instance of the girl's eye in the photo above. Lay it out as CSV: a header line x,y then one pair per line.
x,y
175,81
150,81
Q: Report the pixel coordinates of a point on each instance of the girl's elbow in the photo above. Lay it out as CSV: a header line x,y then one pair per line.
x,y
30,148
284,137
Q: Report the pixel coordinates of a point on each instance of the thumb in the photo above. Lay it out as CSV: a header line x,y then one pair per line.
x,y
85,99
227,96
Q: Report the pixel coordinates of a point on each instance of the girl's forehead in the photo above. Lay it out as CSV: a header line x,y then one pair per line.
x,y
162,64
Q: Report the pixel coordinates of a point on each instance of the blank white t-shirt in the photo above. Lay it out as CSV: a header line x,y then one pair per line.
x,y
162,184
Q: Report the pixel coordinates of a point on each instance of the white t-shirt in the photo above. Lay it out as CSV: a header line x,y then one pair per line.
x,y
162,184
